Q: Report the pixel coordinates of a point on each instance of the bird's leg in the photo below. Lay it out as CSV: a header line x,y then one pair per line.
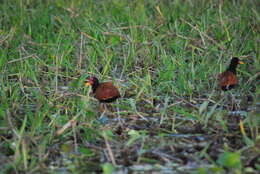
x,y
101,107
118,115
102,110
235,103
105,107
232,101
109,107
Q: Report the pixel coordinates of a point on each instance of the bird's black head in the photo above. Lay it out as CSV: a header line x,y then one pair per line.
x,y
233,64
92,81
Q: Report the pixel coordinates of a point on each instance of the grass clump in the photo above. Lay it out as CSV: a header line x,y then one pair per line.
x,y
164,56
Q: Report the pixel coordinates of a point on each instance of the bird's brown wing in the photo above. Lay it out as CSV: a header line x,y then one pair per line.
x,y
106,91
227,78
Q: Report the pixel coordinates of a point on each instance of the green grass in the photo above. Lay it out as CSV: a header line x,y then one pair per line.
x,y
164,56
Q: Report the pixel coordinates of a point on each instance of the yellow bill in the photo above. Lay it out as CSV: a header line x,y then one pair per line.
x,y
240,62
87,84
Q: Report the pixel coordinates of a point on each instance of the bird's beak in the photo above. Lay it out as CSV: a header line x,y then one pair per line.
x,y
87,84
240,62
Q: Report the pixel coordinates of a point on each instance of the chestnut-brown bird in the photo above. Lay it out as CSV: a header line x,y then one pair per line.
x,y
105,92
228,79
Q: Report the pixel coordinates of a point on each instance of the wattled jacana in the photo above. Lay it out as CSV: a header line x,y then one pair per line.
x,y
228,79
105,92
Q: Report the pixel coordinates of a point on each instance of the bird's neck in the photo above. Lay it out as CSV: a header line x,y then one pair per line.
x,y
95,86
232,68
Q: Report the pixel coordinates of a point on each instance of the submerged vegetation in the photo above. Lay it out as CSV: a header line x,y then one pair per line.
x,y
164,56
